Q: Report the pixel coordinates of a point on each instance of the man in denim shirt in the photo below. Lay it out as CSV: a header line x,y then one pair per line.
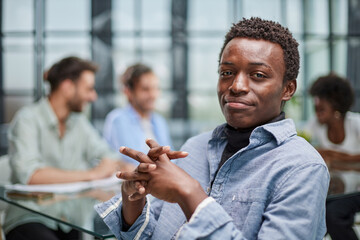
x,y
252,178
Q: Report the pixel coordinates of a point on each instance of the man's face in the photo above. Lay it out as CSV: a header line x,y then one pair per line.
x,y
145,93
84,92
250,87
324,111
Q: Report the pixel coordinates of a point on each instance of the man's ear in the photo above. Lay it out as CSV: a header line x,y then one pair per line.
x,y
67,86
127,92
289,90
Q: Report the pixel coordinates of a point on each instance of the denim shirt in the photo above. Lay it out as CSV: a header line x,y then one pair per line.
x,y
275,188
122,127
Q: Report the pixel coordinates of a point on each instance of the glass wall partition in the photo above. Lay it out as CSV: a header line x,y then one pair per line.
x,y
179,39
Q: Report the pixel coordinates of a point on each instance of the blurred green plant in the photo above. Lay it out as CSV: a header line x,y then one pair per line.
x,y
305,135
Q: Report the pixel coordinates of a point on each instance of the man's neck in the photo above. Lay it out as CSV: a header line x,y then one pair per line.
x,y
143,114
59,106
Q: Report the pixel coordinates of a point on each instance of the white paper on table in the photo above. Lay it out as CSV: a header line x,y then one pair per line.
x,y
65,187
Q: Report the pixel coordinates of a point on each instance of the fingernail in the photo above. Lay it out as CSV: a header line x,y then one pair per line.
x,y
148,139
121,148
118,174
152,166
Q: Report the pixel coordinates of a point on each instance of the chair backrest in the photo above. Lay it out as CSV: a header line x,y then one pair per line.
x,y
5,173
5,170
4,145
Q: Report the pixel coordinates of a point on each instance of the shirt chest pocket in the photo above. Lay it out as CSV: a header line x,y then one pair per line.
x,y
246,207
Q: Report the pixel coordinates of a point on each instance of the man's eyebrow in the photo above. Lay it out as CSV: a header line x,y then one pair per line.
x,y
226,63
261,64
252,63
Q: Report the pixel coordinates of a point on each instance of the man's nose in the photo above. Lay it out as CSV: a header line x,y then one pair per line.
x,y
154,93
240,83
93,96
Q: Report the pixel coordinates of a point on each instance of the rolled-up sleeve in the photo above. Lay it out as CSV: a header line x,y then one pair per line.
x,y
209,221
24,154
143,227
96,147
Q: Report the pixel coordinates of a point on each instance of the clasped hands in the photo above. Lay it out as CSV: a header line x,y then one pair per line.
x,y
154,174
158,176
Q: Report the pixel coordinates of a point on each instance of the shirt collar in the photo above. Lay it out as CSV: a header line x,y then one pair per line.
x,y
239,138
50,116
48,113
136,116
280,131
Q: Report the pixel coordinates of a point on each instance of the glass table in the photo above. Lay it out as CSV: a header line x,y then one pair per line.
x,y
65,211
343,184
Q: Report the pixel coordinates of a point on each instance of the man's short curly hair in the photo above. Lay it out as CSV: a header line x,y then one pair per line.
x,y
257,28
334,89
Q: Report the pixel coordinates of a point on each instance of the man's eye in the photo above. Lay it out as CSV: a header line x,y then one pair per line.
x,y
259,75
226,73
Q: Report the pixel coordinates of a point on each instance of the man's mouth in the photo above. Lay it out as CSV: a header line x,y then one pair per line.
x,y
236,103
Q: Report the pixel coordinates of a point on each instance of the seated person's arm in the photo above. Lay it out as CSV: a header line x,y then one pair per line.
x,y
98,148
331,155
48,175
340,160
